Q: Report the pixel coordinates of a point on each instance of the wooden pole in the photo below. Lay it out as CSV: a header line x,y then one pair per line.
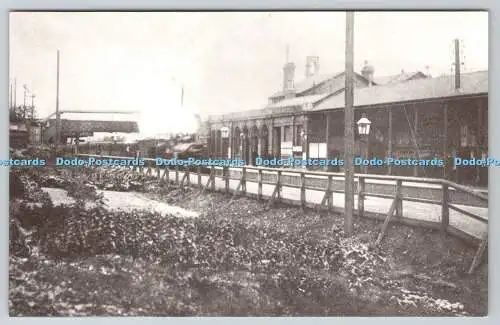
x,y
15,93
58,115
24,100
231,141
445,137
11,95
33,106
445,211
306,136
389,168
479,138
457,64
327,137
25,95
349,124
182,96
416,138
367,152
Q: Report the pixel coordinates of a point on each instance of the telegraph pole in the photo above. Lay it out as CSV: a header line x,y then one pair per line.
x,y
25,94
11,94
58,115
457,63
349,124
33,106
182,96
24,100
15,93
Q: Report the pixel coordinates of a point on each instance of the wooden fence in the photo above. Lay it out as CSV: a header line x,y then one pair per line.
x,y
398,189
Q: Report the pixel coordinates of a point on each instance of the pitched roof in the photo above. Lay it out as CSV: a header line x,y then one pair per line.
x,y
400,77
298,101
241,114
418,89
308,83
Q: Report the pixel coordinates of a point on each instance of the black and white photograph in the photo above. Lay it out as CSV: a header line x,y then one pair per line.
x,y
267,163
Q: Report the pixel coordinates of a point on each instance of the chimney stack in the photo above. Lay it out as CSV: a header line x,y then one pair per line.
x,y
367,72
288,76
312,61
308,68
288,72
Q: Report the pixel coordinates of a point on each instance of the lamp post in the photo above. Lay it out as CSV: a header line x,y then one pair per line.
x,y
364,132
303,136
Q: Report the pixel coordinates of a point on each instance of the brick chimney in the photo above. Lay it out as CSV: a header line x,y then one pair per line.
x,y
367,72
288,76
312,62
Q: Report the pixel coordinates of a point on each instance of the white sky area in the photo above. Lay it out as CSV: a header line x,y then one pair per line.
x,y
226,61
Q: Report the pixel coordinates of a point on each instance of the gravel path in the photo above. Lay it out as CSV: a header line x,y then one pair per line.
x,y
124,201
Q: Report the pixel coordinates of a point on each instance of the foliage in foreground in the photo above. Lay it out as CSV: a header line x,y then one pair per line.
x,y
80,261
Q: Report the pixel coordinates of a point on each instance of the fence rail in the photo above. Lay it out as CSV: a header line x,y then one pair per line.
x,y
398,189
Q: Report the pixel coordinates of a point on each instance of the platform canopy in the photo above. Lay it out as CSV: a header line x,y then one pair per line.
x,y
91,126
86,124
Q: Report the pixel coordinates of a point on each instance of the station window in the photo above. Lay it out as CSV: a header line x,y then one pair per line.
x,y
287,133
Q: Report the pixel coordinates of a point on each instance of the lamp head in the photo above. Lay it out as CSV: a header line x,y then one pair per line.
x,y
364,125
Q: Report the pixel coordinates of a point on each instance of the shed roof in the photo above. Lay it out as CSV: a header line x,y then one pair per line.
x,y
314,81
308,83
97,126
400,77
418,89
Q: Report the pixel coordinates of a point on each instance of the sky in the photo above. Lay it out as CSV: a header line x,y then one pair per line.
x,y
225,61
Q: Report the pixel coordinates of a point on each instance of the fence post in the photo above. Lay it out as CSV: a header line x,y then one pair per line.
x,y
399,203
141,167
188,175
212,178
445,210
361,196
259,179
330,193
244,180
225,175
278,183
166,174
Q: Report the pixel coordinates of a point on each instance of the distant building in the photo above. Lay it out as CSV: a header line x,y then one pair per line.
x,y
412,115
86,128
18,135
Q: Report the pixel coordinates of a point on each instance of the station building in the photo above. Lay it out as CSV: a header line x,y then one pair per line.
x,y
413,115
